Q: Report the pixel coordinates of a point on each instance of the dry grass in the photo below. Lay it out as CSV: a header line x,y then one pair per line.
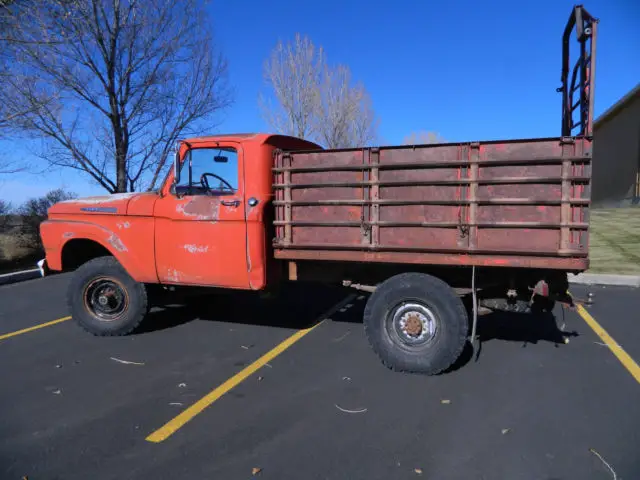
x,y
14,247
17,252
615,241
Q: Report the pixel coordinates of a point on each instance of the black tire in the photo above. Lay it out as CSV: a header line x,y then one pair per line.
x,y
126,304
437,303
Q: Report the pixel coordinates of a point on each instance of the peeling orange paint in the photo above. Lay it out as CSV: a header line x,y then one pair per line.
x,y
116,243
196,248
174,275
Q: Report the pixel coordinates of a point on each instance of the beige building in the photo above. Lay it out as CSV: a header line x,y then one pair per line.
x,y
616,153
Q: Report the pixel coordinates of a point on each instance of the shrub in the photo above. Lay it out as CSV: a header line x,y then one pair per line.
x,y
34,212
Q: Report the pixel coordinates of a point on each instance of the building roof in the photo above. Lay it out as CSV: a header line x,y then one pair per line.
x,y
619,105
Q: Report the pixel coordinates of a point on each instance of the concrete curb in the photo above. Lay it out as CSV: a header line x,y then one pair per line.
x,y
14,277
605,279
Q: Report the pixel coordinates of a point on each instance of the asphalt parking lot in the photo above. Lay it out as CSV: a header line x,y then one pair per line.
x,y
530,407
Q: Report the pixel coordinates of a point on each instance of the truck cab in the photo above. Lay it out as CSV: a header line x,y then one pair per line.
x,y
204,226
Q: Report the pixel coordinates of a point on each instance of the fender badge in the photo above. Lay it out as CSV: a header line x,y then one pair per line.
x,y
100,209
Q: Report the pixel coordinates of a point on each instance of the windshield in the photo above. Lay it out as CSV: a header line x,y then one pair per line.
x,y
210,171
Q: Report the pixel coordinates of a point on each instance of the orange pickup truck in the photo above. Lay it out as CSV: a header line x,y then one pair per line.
x,y
419,227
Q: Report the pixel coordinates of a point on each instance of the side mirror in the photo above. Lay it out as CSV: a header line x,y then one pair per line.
x,y
176,167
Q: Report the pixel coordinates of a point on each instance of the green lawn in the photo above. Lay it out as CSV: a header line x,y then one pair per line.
x,y
615,240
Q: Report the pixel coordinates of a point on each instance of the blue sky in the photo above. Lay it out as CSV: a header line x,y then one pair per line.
x,y
468,70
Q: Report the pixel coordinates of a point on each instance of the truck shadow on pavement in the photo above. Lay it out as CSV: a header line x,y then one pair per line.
x,y
524,328
296,308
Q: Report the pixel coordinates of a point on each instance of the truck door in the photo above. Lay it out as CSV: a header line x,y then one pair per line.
x,y
201,231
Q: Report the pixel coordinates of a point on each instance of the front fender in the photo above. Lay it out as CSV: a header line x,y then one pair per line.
x,y
130,241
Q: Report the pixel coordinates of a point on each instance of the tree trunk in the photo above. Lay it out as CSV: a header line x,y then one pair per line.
x,y
121,167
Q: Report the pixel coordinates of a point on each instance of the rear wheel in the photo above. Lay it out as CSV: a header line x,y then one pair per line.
x,y
105,300
416,323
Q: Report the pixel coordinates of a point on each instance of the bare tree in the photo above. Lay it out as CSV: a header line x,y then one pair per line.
x,y
7,167
7,25
312,100
344,117
112,84
5,208
422,138
293,71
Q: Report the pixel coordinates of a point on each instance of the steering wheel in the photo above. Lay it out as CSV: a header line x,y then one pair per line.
x,y
205,183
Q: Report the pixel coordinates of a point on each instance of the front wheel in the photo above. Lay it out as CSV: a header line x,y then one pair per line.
x,y
105,300
416,323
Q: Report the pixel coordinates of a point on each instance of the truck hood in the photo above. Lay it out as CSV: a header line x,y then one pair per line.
x,y
116,204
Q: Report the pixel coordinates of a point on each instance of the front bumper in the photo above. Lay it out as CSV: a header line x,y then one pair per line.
x,y
42,266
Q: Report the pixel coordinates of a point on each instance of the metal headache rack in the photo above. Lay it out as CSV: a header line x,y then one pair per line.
x,y
579,93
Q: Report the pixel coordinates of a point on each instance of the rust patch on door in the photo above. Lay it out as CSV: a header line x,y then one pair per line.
x,y
201,208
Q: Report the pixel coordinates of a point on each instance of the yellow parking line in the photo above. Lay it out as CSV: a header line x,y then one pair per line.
x,y
173,425
36,327
617,350
170,427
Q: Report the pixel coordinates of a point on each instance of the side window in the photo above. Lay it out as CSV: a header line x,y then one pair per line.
x,y
209,171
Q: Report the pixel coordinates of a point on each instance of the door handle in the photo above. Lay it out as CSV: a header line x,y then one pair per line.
x,y
230,203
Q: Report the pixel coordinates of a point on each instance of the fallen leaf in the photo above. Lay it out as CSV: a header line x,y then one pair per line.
x,y
613,472
360,410
58,366
418,471
57,392
505,431
126,362
348,379
341,337
260,379
255,470
182,385
445,402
